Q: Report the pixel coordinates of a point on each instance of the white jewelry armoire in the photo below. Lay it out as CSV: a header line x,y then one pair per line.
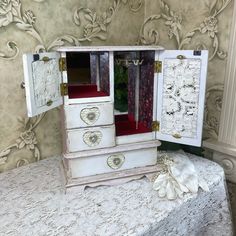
x,y
118,102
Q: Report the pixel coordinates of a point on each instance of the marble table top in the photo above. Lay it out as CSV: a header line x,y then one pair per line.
x,y
33,202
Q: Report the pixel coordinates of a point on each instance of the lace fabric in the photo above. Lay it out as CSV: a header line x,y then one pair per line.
x,y
32,202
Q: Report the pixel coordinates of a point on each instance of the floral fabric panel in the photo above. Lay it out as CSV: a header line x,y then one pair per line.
x,y
104,71
132,73
180,97
46,80
146,88
93,68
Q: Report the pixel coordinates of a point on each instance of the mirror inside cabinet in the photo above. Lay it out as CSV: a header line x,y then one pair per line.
x,y
133,91
88,74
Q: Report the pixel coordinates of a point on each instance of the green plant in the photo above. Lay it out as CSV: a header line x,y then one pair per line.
x,y
121,88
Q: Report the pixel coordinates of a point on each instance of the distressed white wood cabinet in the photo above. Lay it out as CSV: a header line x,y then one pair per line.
x,y
118,102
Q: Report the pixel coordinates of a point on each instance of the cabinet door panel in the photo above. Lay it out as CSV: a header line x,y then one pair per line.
x,y
42,82
181,93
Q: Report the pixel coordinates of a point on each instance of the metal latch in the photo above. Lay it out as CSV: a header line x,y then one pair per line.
x,y
62,64
49,103
46,59
155,126
181,57
64,89
176,135
158,66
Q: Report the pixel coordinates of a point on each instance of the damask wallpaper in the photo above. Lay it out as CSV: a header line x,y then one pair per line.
x,y
43,25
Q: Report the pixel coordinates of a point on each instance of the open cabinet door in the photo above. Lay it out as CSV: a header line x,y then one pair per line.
x,y
180,97
42,82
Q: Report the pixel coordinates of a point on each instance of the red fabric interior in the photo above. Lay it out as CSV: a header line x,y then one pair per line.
x,y
85,91
125,125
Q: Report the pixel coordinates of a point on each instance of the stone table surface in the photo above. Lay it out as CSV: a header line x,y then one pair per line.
x,y
33,202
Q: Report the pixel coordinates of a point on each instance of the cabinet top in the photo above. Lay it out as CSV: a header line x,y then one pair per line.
x,y
110,48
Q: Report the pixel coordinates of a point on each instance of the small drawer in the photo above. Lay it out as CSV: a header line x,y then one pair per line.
x,y
90,138
108,163
88,115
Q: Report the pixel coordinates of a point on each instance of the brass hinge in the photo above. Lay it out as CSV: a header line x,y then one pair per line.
x,y
62,64
45,59
155,126
158,66
49,103
64,89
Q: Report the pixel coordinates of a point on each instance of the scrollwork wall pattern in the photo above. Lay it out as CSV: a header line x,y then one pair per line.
x,y
11,12
27,139
213,107
93,24
97,24
174,22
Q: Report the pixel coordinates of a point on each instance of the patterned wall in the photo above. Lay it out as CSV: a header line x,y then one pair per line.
x,y
43,25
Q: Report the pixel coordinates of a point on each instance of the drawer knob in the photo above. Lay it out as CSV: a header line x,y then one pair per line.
x,y
115,161
92,138
90,115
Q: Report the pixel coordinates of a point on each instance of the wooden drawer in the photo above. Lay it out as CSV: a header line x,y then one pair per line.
x,y
87,115
90,138
109,163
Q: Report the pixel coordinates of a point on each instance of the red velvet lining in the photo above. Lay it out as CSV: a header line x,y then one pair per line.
x,y
125,125
85,91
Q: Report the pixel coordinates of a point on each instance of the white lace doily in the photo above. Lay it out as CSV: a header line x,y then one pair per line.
x,y
32,203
